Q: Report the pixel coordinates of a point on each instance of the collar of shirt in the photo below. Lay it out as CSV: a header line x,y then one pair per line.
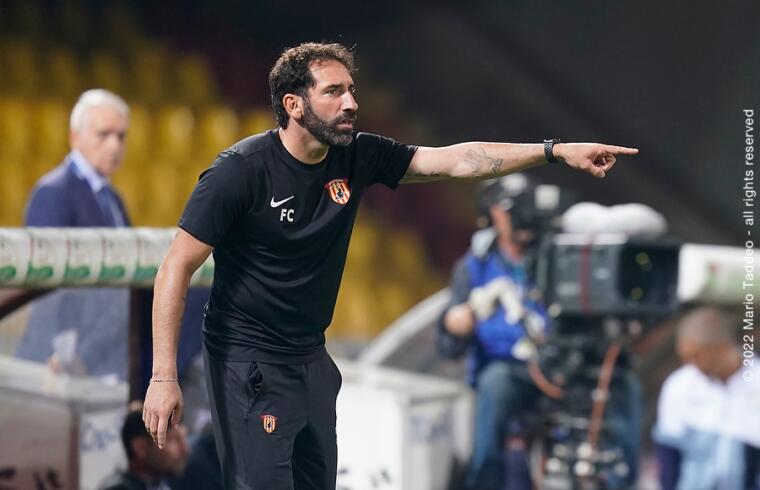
x,y
85,170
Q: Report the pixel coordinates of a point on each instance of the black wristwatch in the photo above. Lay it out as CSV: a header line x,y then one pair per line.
x,y
549,150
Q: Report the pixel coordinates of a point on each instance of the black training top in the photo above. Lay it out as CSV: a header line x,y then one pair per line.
x,y
280,230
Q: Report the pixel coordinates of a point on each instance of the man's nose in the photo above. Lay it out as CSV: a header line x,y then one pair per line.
x,y
115,142
349,102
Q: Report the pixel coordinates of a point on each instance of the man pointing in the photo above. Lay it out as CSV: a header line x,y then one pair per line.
x,y
277,210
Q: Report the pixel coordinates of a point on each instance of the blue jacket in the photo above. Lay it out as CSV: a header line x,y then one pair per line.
x,y
62,198
494,337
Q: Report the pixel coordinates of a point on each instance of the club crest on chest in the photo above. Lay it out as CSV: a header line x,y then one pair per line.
x,y
339,190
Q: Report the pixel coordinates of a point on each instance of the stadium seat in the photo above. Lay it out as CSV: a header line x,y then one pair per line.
x,y
363,247
107,71
139,136
50,127
218,128
194,83
256,121
160,186
14,190
130,182
148,72
174,130
15,128
19,66
63,73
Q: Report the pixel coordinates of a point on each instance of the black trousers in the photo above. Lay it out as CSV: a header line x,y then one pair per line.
x,y
274,424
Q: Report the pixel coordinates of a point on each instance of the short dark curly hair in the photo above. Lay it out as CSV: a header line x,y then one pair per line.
x,y
291,74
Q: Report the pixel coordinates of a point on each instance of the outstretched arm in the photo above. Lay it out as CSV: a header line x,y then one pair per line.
x,y
478,160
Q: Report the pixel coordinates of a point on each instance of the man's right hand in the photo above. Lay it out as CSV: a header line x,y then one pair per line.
x,y
162,402
460,320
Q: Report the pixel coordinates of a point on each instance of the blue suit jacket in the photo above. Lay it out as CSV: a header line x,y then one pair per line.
x,y
62,198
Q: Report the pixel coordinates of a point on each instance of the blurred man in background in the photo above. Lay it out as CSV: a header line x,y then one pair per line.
x,y
78,192
277,210
149,468
708,429
83,331
490,311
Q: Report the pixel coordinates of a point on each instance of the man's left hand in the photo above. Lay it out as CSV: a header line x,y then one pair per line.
x,y
594,158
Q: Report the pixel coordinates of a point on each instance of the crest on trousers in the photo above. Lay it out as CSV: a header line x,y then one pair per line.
x,y
339,191
269,422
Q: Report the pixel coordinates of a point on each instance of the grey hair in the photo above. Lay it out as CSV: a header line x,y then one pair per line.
x,y
95,97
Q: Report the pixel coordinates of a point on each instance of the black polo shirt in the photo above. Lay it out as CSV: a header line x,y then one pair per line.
x,y
280,230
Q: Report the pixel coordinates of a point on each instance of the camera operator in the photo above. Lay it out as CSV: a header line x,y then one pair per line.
x,y
496,315
490,311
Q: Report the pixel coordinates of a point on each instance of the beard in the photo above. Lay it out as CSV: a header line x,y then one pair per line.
x,y
327,132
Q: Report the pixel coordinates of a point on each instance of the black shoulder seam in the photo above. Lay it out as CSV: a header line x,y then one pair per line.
x,y
266,144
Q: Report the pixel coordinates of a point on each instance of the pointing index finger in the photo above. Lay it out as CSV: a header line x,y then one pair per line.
x,y
621,150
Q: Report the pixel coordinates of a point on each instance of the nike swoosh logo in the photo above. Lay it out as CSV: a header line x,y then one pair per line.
x,y
274,203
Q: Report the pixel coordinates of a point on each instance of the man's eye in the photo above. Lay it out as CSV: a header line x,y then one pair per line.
x,y
332,91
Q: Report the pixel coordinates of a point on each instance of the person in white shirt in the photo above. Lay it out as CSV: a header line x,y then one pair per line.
x,y
708,419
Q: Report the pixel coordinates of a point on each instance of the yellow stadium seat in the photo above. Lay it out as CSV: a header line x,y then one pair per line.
x,y
63,73
20,67
139,136
193,81
148,73
107,71
51,129
162,183
14,190
218,128
257,121
363,250
131,186
394,299
357,315
175,127
405,251
15,129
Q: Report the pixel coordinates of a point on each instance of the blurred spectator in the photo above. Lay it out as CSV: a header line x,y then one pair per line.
x,y
84,331
488,314
75,330
203,469
150,468
77,192
708,430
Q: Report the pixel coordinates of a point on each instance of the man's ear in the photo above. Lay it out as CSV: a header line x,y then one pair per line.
x,y
293,105
73,139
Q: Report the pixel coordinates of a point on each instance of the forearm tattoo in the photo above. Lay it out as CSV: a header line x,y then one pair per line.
x,y
481,163
412,178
